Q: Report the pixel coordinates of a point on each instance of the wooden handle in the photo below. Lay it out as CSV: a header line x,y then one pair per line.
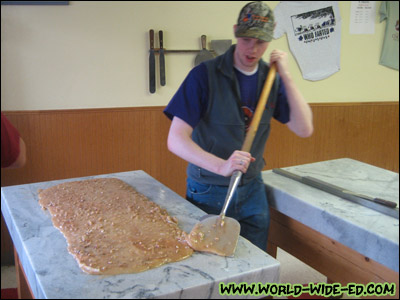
x,y
151,39
160,36
203,42
251,133
385,202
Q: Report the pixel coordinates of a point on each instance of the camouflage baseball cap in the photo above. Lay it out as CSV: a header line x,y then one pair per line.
x,y
256,20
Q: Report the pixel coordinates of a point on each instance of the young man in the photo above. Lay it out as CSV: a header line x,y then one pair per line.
x,y
212,110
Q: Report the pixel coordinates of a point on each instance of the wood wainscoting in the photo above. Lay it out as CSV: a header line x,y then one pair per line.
x,y
75,143
368,132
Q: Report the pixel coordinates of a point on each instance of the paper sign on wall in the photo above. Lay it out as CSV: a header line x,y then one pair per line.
x,y
362,17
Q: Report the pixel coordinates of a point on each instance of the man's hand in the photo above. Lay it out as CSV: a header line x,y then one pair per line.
x,y
280,58
238,161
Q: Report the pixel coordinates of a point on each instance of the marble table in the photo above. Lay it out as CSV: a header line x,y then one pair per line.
x,y
52,272
343,240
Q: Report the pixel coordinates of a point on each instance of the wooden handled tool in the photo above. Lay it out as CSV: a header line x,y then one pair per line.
x,y
152,64
162,59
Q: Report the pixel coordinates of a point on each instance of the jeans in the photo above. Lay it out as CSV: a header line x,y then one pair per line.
x,y
249,206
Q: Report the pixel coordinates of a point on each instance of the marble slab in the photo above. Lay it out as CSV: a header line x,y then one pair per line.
x,y
53,273
369,232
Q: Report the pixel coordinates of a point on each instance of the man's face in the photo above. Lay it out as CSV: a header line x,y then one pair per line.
x,y
248,52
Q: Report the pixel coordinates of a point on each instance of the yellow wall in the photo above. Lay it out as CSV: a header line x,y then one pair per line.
x,y
95,54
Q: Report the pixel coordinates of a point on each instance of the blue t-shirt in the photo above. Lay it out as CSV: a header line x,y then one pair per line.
x,y
190,101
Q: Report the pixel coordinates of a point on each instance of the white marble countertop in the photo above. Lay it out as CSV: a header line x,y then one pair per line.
x,y
53,273
371,233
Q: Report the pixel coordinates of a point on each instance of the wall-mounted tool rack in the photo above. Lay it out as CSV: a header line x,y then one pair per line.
x,y
202,55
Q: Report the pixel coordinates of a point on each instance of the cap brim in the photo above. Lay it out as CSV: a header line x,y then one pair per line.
x,y
256,34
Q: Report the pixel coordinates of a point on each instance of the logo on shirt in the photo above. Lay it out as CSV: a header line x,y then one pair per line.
x,y
248,116
395,36
314,25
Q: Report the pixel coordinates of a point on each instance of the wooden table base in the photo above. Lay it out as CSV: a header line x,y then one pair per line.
x,y
23,287
329,257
